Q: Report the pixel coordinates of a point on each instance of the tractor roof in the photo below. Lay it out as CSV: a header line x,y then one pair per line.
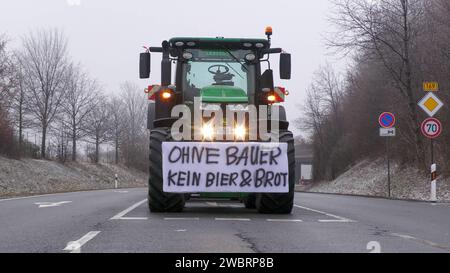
x,y
220,42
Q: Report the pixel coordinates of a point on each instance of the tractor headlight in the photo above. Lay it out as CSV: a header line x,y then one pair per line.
x,y
240,132
208,131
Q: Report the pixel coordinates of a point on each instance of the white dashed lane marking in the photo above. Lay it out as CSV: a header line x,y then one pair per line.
x,y
51,204
285,220
233,219
181,218
334,218
422,241
121,215
337,219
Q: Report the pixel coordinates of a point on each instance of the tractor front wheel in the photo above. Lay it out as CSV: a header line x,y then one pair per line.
x,y
280,203
158,200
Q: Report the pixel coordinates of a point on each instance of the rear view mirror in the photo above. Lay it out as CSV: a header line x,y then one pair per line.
x,y
166,72
285,66
144,65
267,80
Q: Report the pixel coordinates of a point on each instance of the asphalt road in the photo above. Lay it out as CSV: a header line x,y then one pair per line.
x,y
119,221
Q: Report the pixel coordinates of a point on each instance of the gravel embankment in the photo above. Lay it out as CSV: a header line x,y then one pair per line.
x,y
31,176
369,178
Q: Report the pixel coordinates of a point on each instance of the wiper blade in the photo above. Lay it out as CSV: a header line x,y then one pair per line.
x,y
232,68
235,58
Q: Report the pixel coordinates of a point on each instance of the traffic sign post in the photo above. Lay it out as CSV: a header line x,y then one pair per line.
x,y
431,127
387,122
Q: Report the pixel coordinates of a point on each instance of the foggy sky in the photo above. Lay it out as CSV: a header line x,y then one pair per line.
x,y
107,35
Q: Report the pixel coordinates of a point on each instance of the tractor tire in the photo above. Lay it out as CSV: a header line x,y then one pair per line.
x,y
280,203
250,201
158,200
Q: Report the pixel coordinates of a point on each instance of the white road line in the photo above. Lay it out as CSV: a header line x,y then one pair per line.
x,y
133,218
422,241
124,212
48,195
182,218
34,196
51,204
232,219
75,246
338,219
217,205
284,220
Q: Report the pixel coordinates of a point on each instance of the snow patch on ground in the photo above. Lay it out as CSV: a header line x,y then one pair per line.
x,y
369,177
32,176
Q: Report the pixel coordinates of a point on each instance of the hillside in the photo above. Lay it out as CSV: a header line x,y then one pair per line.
x,y
369,177
32,176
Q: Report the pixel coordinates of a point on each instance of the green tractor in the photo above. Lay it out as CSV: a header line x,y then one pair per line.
x,y
238,160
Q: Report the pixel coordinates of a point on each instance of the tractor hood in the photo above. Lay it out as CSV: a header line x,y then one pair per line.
x,y
223,94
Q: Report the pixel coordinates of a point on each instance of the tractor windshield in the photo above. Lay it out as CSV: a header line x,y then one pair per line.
x,y
218,68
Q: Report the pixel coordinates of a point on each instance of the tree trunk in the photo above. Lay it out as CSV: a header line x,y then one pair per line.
x,y
43,144
117,150
97,149
20,129
409,89
74,145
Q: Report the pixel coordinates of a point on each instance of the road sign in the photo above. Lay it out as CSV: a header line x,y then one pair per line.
x,y
431,128
387,120
430,86
431,104
387,132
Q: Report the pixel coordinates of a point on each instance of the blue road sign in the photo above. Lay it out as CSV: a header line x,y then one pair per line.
x,y
387,120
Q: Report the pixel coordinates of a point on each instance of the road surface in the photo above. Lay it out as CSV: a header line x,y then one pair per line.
x,y
119,221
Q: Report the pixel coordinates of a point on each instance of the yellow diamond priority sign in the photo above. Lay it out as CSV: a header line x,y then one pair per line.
x,y
431,104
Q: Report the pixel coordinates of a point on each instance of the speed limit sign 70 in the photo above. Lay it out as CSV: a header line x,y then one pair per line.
x,y
431,128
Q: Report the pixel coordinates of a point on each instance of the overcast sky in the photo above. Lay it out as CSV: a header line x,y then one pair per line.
x,y
107,35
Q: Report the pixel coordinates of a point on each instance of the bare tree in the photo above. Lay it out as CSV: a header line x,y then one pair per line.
x,y
6,89
19,107
384,30
97,125
322,117
116,108
44,63
135,137
80,99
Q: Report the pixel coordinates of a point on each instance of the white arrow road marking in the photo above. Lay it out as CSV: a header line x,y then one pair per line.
x,y
51,204
75,246
120,215
338,219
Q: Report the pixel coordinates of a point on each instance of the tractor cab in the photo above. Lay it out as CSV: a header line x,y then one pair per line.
x,y
217,70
